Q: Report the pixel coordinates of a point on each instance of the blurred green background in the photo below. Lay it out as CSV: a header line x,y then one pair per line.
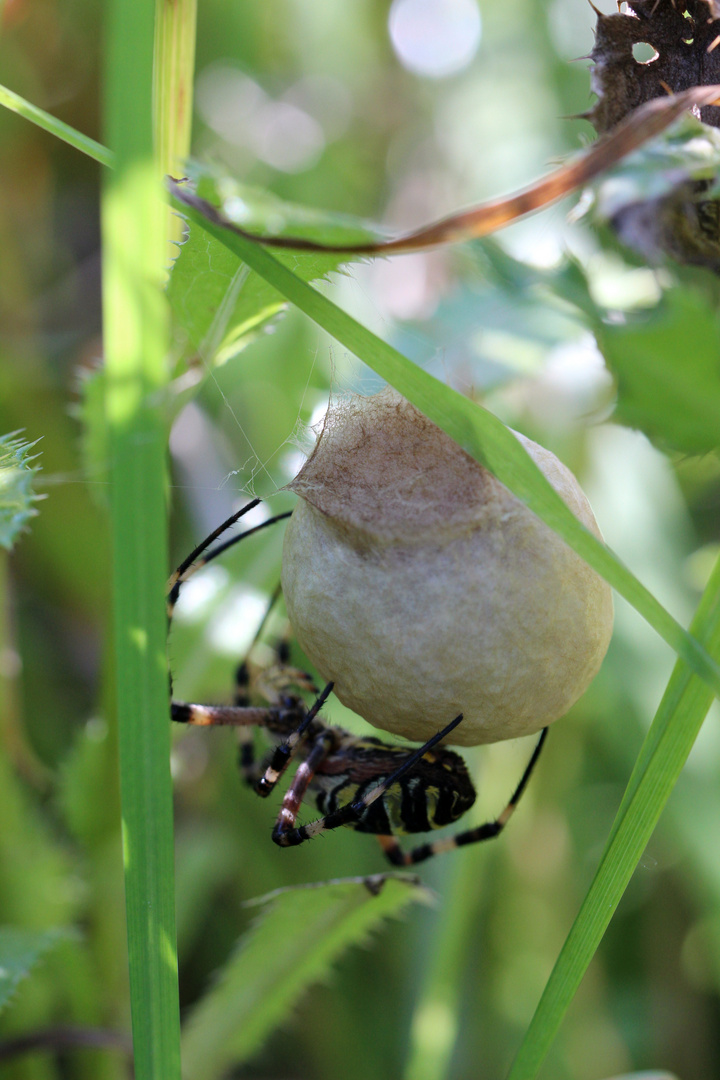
x,y
397,113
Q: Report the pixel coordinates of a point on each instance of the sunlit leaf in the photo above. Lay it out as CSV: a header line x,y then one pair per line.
x,y
293,944
667,366
217,301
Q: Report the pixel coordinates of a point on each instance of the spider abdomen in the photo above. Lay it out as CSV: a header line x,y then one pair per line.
x,y
437,792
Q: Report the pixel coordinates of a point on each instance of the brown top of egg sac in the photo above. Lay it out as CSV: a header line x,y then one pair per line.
x,y
384,473
380,467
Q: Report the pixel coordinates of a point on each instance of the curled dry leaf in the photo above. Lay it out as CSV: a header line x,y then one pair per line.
x,y
644,123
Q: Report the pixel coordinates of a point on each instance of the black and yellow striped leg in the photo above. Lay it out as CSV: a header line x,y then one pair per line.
x,y
354,811
250,769
183,712
324,745
283,754
392,850
197,558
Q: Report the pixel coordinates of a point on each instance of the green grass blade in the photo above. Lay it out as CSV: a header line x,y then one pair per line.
x,y
136,339
664,752
44,120
292,945
480,433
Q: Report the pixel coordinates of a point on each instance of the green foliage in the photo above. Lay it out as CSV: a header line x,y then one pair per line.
x,y
472,968
687,150
667,366
17,498
293,944
219,303
87,786
487,440
20,951
662,757
90,413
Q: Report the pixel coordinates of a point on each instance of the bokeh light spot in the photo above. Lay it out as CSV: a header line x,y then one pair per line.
x,y
435,38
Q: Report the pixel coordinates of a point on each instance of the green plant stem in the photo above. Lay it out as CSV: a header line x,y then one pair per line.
x,y
56,127
136,340
173,98
174,67
661,759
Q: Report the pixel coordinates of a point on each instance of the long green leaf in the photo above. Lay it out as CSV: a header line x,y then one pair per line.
x,y
294,943
136,342
480,433
663,754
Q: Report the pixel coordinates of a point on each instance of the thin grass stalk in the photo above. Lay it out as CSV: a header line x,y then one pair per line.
x,y
12,101
136,341
664,752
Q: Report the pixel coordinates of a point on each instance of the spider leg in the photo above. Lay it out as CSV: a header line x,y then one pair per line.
x,y
274,681
283,754
325,743
184,712
354,811
248,766
392,850
196,559
251,770
243,717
